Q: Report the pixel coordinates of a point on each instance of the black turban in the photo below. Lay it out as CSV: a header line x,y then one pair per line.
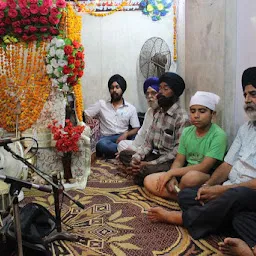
x,y
249,77
119,79
174,81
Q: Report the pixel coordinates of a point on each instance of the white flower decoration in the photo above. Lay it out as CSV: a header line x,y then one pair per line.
x,y
54,63
60,53
60,43
62,63
49,69
52,51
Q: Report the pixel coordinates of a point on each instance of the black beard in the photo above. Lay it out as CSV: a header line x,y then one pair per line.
x,y
166,102
116,97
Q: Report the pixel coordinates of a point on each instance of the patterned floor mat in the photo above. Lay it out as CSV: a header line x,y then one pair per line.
x,y
114,223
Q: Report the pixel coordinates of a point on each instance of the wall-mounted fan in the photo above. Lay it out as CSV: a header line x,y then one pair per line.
x,y
155,57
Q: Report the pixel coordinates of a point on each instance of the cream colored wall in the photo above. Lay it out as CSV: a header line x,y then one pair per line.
x,y
112,45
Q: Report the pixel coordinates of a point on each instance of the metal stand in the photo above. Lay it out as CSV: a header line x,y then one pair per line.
x,y
58,234
58,189
14,192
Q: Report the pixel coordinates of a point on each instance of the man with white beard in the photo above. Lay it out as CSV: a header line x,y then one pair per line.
x,y
151,89
226,202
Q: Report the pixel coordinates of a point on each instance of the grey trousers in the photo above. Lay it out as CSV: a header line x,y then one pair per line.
x,y
234,211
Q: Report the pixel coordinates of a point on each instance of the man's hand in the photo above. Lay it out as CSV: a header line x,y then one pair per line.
x,y
170,186
207,193
88,119
162,181
122,137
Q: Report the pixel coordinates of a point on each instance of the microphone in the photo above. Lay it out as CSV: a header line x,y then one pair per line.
x,y
10,140
25,184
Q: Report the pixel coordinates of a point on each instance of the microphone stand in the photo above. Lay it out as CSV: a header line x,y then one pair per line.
x,y
57,190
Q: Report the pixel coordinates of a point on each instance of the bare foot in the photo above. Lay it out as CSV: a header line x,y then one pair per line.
x,y
235,247
158,214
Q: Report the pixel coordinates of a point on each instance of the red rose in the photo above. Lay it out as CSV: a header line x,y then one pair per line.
x,y
77,63
22,3
34,19
33,1
16,24
43,29
11,3
47,3
34,9
80,73
54,31
25,12
61,3
32,29
2,31
2,24
25,37
71,60
2,5
8,21
43,20
1,14
32,38
12,13
66,70
79,55
76,44
43,10
71,79
54,20
54,11
68,49
18,30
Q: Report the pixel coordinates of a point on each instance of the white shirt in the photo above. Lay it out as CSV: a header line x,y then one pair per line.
x,y
242,155
142,133
114,121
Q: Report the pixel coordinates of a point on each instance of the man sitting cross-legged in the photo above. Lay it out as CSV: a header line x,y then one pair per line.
x,y
160,146
202,146
230,207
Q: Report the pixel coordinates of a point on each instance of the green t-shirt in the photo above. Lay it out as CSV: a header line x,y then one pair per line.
x,y
212,144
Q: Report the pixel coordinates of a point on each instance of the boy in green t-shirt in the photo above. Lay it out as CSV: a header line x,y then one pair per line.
x,y
202,147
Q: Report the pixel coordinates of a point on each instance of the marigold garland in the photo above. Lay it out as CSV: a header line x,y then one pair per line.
x,y
175,57
83,8
23,78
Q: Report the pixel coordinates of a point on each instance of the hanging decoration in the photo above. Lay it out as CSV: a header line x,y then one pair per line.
x,y
155,8
175,57
91,8
23,79
65,63
29,20
73,28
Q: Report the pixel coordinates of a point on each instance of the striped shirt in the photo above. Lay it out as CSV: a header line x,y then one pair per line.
x,y
164,134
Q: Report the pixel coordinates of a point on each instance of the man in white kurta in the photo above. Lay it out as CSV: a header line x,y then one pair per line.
x,y
151,89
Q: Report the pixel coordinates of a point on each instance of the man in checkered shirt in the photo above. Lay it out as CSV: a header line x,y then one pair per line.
x,y
160,147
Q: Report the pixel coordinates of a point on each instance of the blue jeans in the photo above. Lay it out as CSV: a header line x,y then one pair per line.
x,y
107,145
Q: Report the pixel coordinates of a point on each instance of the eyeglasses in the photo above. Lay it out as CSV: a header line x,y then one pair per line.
x,y
152,94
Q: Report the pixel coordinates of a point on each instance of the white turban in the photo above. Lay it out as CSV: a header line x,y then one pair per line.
x,y
207,99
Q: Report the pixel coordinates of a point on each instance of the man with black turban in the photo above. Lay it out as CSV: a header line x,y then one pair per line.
x,y
115,115
159,149
231,206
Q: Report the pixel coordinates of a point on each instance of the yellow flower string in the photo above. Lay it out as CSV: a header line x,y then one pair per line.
x,y
23,78
175,57
73,23
82,7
